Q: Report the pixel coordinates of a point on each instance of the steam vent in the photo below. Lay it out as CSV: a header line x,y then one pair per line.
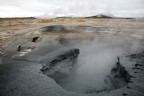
x,y
91,56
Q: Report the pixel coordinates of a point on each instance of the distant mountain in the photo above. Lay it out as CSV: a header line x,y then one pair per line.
x,y
100,16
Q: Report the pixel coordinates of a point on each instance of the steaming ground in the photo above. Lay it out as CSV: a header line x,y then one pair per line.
x,y
95,62
99,49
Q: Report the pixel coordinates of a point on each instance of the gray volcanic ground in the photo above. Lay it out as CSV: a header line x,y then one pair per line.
x,y
72,57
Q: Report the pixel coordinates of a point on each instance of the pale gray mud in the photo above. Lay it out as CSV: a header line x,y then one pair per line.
x,y
60,60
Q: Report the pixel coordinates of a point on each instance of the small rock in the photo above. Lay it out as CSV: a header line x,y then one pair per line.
x,y
124,94
138,65
19,48
35,39
128,87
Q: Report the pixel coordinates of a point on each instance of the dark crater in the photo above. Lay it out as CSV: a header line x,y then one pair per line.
x,y
56,28
52,28
62,66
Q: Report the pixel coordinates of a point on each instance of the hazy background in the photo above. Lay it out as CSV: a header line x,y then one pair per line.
x,y
53,8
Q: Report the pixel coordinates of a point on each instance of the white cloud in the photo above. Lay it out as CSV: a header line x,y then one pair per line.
x,y
22,8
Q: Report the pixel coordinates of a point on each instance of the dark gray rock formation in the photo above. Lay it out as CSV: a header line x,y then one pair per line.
x,y
119,76
72,54
60,67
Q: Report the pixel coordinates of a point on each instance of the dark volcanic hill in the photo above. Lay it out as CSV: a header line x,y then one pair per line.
x,y
100,16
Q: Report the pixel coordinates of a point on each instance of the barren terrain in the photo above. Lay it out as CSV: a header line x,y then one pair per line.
x,y
71,57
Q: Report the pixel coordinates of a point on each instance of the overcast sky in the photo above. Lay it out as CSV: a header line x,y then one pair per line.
x,y
53,8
